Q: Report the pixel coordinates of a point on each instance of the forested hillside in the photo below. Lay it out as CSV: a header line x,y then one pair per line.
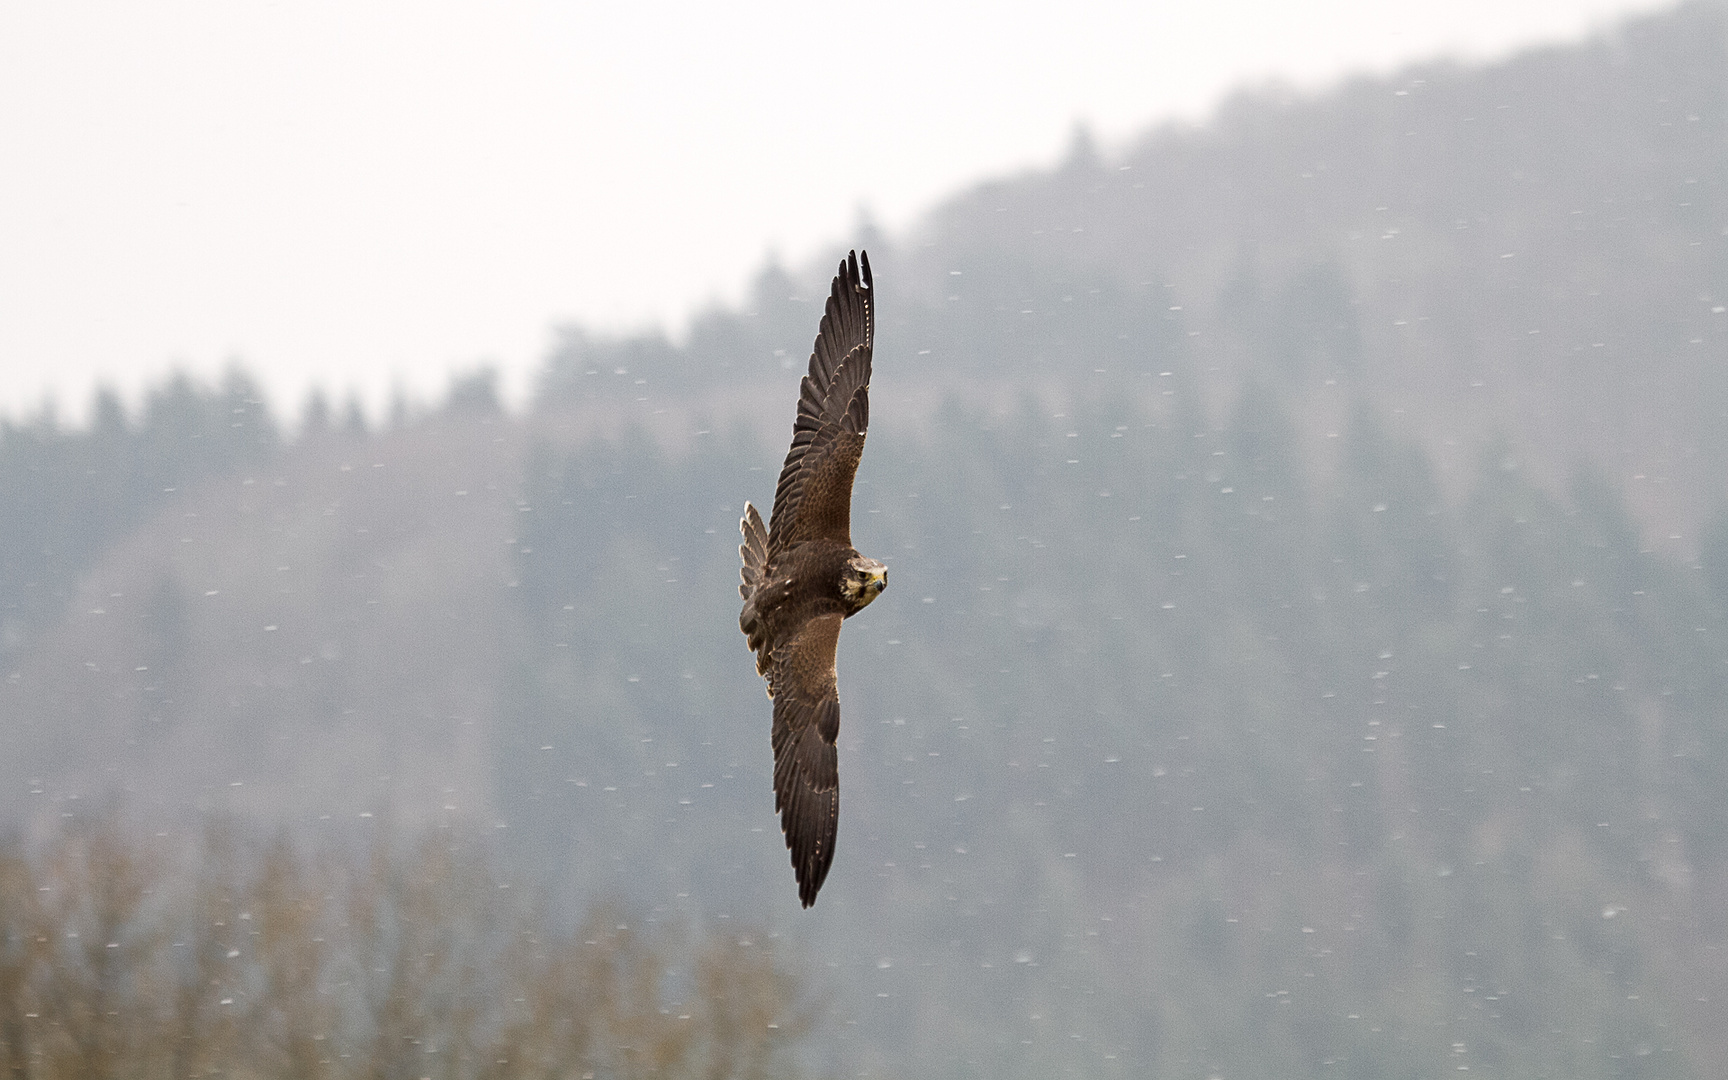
x,y
1308,633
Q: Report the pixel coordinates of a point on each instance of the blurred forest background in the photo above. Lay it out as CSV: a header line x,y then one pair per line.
x,y
1307,653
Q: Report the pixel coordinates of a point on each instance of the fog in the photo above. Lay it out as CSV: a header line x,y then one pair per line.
x,y
367,198
1305,651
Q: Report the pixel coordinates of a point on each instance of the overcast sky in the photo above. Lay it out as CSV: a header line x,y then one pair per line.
x,y
360,194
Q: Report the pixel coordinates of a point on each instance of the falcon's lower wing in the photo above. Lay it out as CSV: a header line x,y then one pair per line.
x,y
806,762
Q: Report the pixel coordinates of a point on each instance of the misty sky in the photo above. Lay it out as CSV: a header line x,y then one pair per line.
x,y
360,195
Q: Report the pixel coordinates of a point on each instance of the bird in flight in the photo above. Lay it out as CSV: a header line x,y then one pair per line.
x,y
802,576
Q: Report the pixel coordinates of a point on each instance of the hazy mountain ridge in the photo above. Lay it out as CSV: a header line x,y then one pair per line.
x,y
312,634
1534,248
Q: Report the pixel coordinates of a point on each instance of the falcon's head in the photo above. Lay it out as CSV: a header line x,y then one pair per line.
x,y
862,581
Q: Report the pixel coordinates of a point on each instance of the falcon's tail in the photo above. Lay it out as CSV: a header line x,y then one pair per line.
x,y
754,550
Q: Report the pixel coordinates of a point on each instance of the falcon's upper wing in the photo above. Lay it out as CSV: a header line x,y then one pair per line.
x,y
814,496
802,682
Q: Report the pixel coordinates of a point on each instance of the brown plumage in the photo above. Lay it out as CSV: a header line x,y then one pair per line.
x,y
802,575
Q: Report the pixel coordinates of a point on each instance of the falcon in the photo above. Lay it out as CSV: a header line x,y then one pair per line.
x,y
802,577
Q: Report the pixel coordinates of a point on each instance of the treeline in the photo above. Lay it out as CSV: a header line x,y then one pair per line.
x,y
126,955
70,492
1267,757
1260,756
1178,743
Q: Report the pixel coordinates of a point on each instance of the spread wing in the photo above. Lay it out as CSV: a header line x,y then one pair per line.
x,y
814,497
802,682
